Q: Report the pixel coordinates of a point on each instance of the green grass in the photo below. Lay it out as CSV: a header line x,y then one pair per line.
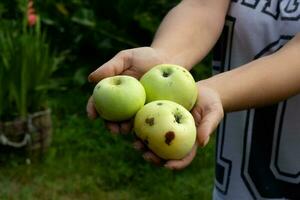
x,y
87,162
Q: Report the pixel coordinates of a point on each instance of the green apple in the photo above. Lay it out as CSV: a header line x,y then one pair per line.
x,y
167,128
170,82
118,98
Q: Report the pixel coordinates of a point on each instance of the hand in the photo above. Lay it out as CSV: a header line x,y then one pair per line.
x,y
207,113
132,62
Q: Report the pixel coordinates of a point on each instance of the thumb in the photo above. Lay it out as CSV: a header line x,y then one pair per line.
x,y
115,66
207,125
181,164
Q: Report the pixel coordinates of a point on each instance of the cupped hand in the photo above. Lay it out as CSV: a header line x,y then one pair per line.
x,y
207,113
133,62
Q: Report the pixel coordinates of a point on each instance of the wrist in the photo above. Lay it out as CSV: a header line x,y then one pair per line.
x,y
162,54
214,95
182,58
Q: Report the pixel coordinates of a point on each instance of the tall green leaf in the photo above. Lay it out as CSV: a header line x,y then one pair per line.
x,y
26,65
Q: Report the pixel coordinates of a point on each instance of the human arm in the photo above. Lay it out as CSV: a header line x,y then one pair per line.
x,y
258,83
263,81
184,37
190,30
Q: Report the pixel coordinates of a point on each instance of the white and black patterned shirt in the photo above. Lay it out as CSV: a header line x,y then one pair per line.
x,y
258,150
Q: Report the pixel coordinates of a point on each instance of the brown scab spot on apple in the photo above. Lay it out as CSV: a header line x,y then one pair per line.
x,y
150,121
159,103
98,87
169,136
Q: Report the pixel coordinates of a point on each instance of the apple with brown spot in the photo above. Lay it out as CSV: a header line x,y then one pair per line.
x,y
167,128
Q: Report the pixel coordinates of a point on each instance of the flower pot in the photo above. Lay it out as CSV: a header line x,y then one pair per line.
x,y
32,134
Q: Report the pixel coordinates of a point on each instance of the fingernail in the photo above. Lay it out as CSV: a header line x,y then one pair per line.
x,y
90,77
168,167
146,157
113,132
203,144
136,146
89,116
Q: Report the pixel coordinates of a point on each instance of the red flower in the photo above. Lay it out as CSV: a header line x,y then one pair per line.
x,y
31,15
32,19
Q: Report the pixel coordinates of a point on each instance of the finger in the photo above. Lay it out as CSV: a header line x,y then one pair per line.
x,y
180,164
113,67
207,125
139,145
113,127
197,116
151,157
134,74
125,127
90,109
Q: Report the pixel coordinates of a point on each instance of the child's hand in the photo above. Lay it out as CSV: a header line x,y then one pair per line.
x,y
207,112
132,62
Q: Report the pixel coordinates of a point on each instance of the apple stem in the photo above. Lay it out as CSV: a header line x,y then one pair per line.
x,y
117,81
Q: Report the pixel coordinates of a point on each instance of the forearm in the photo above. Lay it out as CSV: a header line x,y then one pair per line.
x,y
190,30
264,81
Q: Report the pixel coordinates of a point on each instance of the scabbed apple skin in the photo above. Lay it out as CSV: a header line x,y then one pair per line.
x,y
167,128
170,82
118,98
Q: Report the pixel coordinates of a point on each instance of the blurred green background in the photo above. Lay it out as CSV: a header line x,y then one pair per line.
x,y
84,160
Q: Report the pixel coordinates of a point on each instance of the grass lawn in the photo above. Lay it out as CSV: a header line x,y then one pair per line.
x,y
87,162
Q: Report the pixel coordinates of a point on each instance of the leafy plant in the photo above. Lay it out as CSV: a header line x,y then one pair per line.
x,y
93,31
96,30
26,65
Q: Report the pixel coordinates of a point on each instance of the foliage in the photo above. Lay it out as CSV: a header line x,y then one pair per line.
x,y
93,31
26,64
